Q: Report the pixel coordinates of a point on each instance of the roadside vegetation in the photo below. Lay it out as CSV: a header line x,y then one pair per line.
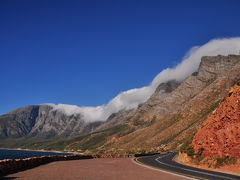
x,y
198,158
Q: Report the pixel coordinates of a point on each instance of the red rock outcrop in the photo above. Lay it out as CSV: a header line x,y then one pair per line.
x,y
220,133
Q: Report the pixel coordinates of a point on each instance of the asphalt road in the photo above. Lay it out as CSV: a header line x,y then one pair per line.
x,y
165,162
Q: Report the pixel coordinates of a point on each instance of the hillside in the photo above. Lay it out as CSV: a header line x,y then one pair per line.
x,y
219,135
166,120
178,113
41,121
216,144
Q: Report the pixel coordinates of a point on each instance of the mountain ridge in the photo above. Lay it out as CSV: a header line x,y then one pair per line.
x,y
174,111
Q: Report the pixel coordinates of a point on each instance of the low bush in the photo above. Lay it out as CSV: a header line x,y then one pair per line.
x,y
188,149
220,161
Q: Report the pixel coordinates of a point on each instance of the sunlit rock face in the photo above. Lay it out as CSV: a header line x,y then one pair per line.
x,y
220,133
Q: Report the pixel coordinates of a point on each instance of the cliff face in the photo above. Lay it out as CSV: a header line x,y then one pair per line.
x,y
220,132
42,122
55,123
18,123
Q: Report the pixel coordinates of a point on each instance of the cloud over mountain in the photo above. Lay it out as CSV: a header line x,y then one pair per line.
x,y
132,98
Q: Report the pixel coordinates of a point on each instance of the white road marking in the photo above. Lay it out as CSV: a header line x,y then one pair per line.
x,y
158,160
165,171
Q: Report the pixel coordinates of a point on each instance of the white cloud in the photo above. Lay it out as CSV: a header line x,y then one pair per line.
x,y
132,98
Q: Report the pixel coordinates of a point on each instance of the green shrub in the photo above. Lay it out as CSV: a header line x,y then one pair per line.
x,y
220,161
184,147
200,151
188,149
232,160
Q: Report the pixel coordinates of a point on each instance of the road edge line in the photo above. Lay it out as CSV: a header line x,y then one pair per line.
x,y
217,171
135,160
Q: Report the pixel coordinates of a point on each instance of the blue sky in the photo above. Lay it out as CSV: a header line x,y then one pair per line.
x,y
86,52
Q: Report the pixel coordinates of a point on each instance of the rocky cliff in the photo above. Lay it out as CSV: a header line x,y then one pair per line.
x,y
42,122
219,135
18,123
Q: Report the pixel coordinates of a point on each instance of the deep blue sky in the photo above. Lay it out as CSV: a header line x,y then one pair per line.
x,y
85,52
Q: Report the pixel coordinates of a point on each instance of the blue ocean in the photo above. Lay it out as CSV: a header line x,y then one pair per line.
x,y
21,154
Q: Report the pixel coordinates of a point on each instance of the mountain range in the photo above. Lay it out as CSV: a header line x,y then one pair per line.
x,y
169,118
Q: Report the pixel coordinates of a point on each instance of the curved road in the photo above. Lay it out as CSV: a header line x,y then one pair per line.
x,y
165,162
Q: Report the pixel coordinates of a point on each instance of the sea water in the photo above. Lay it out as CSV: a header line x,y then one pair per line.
x,y
21,154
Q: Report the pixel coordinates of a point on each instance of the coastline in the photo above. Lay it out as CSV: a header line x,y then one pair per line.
x,y
38,150
9,166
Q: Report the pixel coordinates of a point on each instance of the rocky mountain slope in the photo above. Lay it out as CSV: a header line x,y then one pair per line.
x,y
216,144
18,123
169,118
42,122
219,135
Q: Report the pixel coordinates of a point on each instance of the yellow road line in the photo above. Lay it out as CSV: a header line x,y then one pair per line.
x,y
182,174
